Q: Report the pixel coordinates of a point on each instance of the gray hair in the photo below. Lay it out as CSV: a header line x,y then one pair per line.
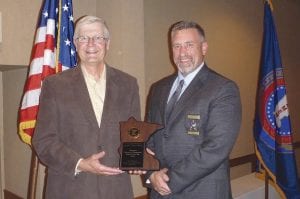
x,y
181,25
88,19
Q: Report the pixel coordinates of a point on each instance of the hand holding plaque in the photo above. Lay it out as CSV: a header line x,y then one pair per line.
x,y
134,135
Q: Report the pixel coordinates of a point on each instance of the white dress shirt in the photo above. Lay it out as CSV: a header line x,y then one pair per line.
x,y
96,89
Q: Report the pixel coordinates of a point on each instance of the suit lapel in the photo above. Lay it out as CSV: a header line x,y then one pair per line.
x,y
85,104
193,88
111,94
82,95
165,91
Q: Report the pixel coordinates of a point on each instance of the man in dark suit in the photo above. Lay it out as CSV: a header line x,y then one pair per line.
x,y
77,134
201,114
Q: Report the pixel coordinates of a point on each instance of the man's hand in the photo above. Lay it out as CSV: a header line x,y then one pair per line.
x,y
159,181
92,164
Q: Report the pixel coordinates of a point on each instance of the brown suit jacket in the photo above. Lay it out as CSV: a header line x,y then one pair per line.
x,y
67,130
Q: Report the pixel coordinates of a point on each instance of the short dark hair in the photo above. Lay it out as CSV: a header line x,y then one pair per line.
x,y
181,25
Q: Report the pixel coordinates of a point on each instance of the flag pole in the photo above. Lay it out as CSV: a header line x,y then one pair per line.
x,y
34,166
57,69
266,185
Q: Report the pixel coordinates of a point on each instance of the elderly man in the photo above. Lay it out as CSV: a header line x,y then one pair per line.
x,y
77,134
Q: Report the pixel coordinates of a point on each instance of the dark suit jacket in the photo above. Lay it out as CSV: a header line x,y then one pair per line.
x,y
67,130
196,143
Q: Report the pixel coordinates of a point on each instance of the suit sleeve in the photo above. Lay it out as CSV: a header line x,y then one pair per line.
x,y
49,148
136,107
148,117
150,143
224,118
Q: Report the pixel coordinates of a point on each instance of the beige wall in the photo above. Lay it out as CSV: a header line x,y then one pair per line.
x,y
126,47
139,46
16,154
19,19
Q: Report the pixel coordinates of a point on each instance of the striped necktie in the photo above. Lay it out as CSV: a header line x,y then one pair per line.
x,y
173,99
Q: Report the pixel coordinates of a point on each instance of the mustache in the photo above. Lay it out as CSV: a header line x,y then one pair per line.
x,y
184,58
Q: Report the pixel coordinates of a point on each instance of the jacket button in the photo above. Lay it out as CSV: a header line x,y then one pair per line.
x,y
100,148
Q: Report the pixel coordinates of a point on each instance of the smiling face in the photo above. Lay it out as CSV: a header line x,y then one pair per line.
x,y
93,48
188,49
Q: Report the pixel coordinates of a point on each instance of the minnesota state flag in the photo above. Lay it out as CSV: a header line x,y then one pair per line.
x,y
272,129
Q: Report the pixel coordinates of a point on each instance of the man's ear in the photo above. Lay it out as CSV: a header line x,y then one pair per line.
x,y
204,48
107,44
75,43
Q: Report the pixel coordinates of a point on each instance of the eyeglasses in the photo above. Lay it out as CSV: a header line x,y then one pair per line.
x,y
186,45
96,39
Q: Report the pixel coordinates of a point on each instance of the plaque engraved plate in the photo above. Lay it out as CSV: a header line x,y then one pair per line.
x,y
132,154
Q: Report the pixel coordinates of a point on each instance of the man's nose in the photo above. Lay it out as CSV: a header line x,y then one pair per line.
x,y
182,50
91,41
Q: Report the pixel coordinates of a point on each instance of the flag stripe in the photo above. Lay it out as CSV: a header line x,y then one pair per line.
x,y
29,113
38,50
40,35
33,82
31,98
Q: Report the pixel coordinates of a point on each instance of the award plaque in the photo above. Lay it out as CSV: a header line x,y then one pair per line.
x,y
134,135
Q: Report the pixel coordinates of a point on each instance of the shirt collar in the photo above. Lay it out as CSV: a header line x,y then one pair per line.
x,y
91,78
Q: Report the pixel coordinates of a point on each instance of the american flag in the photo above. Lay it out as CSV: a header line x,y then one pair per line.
x,y
53,52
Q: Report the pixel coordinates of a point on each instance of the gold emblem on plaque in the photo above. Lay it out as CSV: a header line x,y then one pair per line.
x,y
134,132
